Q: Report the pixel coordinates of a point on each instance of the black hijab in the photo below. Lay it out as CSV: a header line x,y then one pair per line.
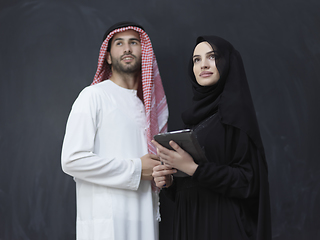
x,y
230,97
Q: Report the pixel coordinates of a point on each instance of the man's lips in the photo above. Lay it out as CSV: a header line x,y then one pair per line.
x,y
127,58
205,74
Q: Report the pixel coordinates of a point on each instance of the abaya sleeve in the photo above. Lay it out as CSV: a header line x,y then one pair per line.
x,y
232,171
170,192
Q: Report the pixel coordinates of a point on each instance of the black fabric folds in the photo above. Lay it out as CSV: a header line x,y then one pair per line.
x,y
227,198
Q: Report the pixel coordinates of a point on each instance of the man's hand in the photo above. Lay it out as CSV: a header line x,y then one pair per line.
x,y
148,162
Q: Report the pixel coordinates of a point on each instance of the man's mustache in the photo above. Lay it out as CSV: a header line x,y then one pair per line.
x,y
127,55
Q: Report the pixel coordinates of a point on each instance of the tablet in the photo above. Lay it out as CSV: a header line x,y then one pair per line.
x,y
187,140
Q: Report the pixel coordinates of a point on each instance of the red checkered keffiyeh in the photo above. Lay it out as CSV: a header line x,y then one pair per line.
x,y
153,93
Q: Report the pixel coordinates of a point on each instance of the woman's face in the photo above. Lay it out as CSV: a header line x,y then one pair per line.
x,y
204,65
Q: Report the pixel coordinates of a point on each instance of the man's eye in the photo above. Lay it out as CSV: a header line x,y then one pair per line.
x,y
134,43
119,43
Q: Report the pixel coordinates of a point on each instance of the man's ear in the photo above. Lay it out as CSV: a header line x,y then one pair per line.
x,y
108,58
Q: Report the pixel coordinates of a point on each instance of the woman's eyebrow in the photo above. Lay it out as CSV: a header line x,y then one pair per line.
x,y
206,53
211,52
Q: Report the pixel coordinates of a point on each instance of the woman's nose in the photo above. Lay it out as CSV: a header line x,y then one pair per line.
x,y
204,64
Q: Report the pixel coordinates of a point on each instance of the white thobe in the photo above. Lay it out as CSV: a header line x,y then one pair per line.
x,y
104,140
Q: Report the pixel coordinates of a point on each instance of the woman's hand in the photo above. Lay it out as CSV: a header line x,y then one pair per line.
x,y
177,158
162,175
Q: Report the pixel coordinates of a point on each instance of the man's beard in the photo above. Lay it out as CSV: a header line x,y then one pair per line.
x,y
126,68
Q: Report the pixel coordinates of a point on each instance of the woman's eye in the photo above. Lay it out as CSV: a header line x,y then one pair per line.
x,y
195,60
212,56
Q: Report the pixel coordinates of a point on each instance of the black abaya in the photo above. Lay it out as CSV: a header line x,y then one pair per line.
x,y
227,198
221,201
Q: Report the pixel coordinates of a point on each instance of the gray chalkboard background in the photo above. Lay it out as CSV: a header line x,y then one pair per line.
x,y
48,54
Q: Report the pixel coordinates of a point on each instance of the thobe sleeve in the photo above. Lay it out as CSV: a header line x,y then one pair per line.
x,y
78,158
237,175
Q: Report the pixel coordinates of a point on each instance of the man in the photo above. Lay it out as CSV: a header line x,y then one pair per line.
x,y
107,146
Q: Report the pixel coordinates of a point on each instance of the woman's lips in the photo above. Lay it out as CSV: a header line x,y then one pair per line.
x,y
205,74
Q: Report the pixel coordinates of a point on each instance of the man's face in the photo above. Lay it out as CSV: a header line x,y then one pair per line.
x,y
125,52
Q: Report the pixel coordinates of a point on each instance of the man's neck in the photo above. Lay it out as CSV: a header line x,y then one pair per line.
x,y
129,81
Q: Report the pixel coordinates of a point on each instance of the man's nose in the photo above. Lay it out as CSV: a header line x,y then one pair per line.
x,y
127,48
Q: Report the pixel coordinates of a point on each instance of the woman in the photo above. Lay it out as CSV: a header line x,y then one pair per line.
x,y
226,197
